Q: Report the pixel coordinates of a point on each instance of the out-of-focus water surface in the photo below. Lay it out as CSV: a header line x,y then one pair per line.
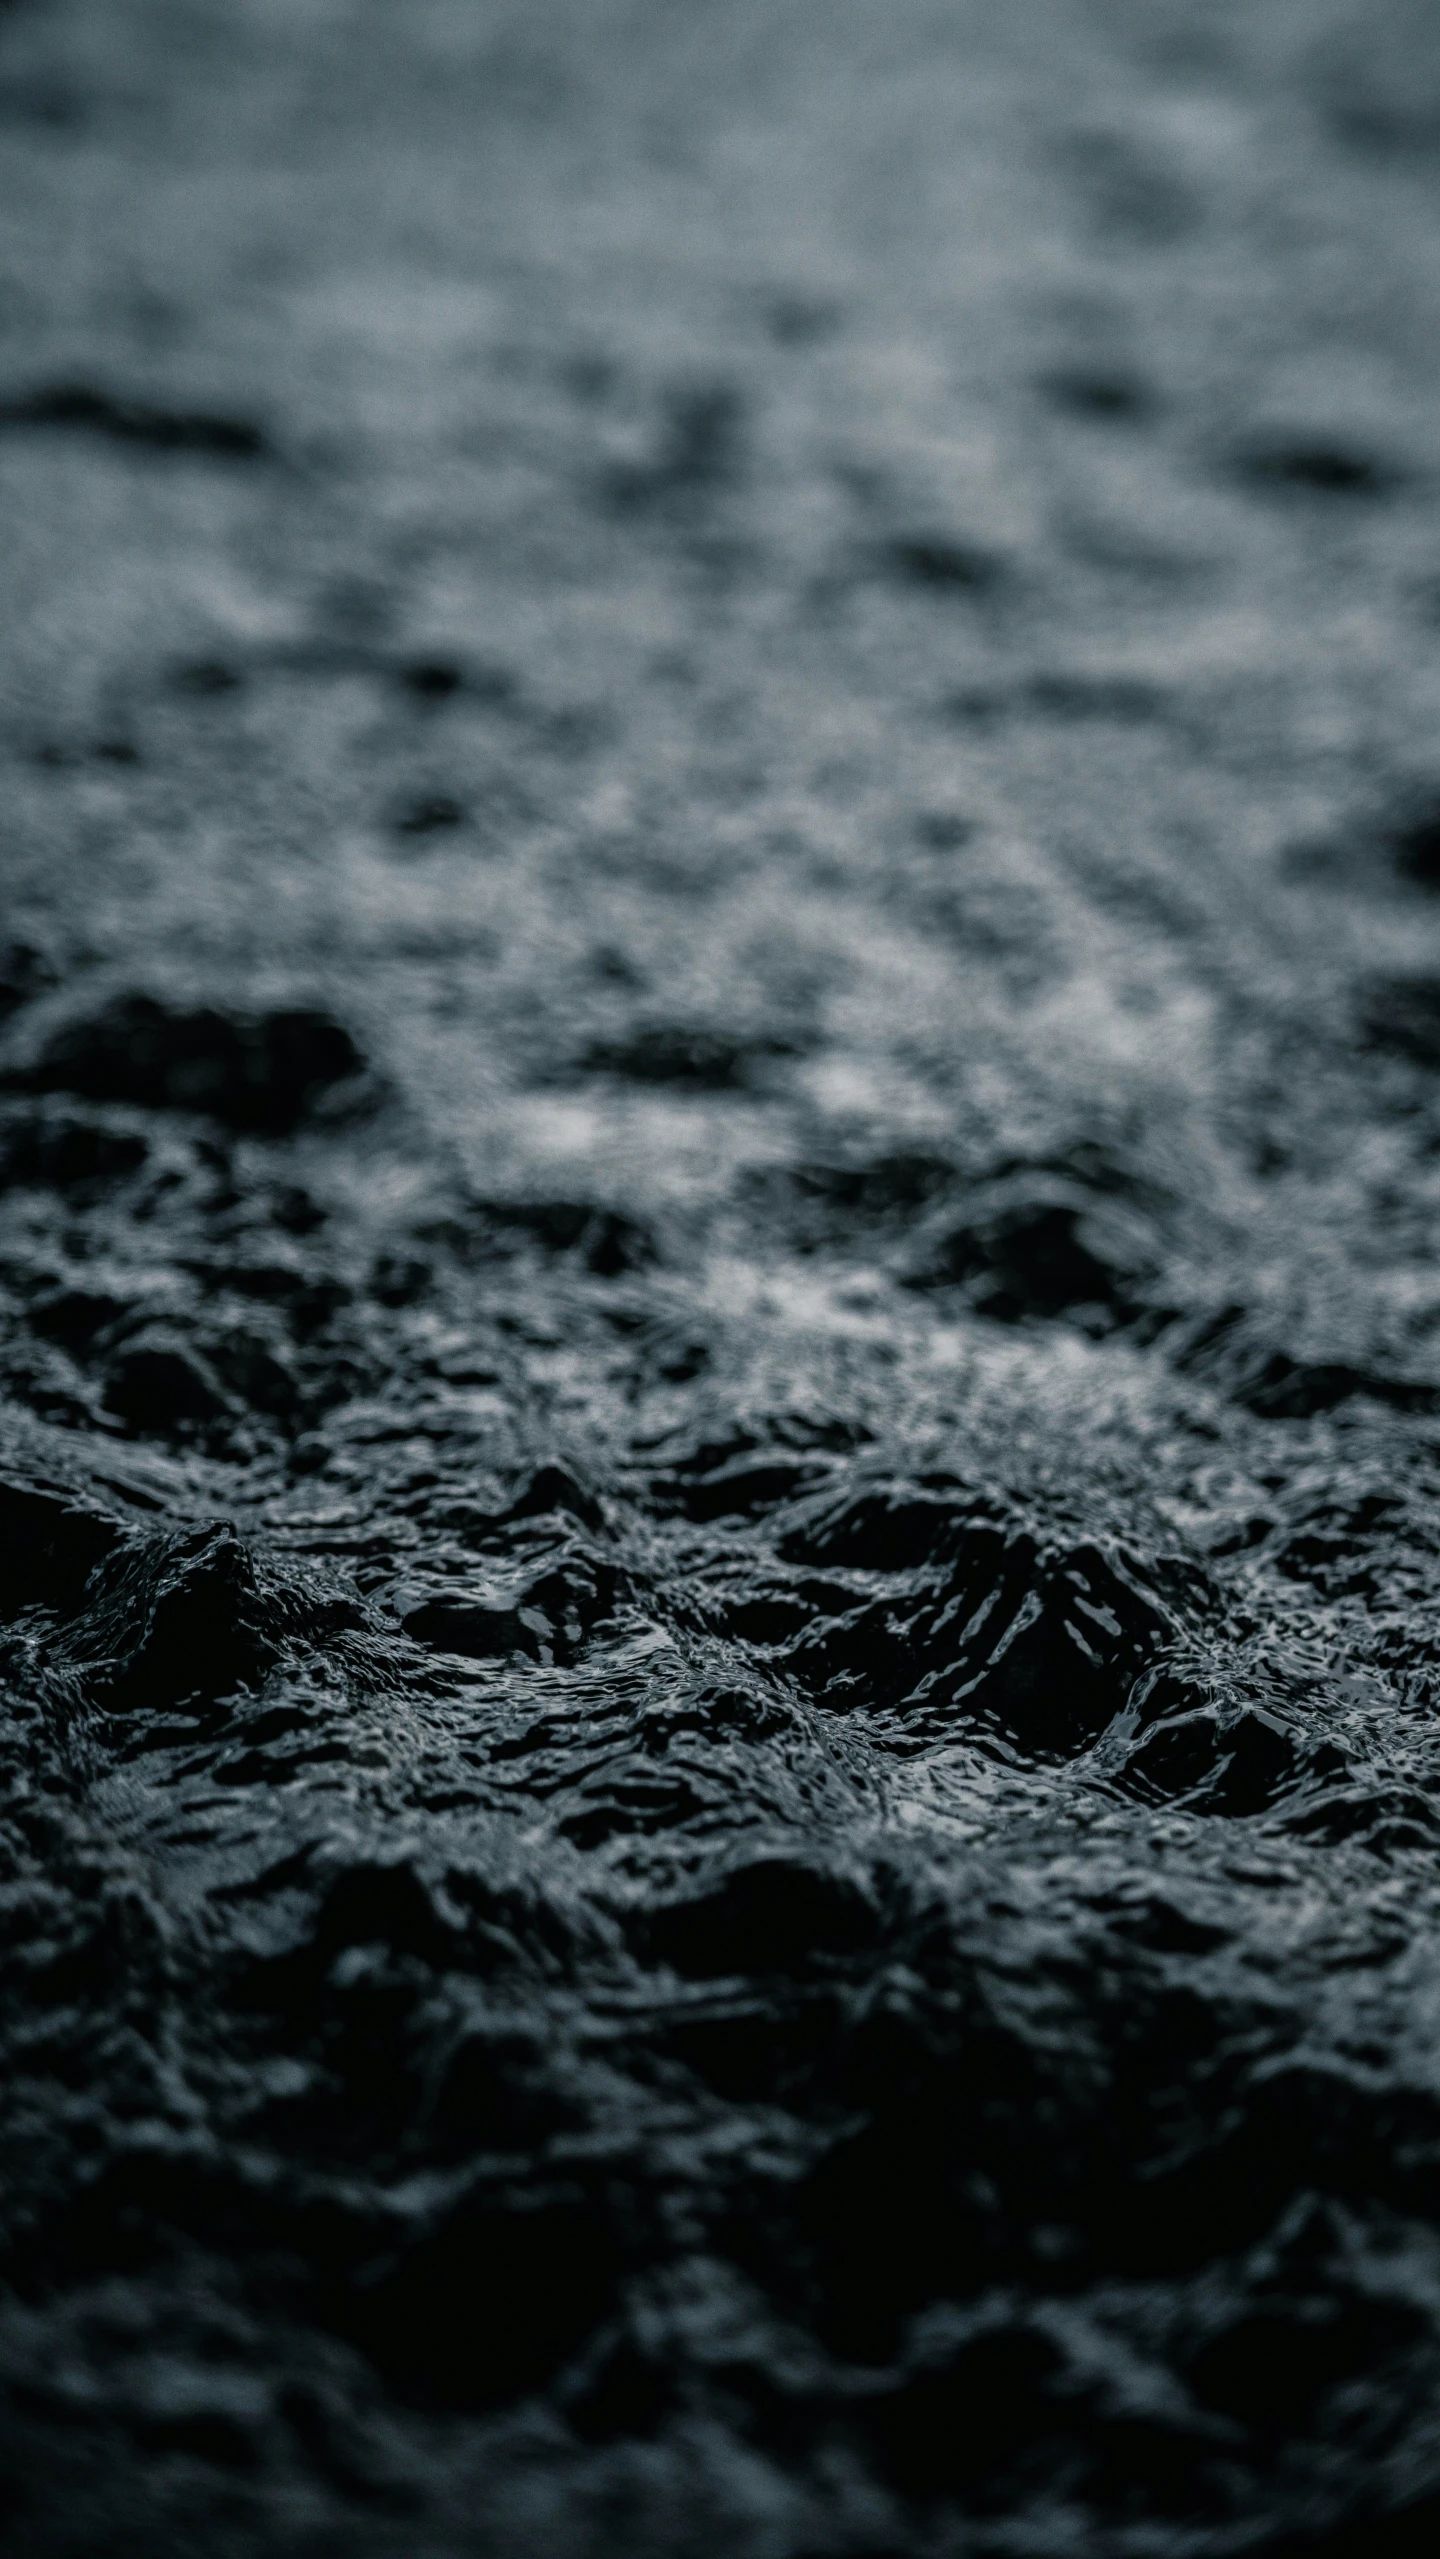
x,y
720,1447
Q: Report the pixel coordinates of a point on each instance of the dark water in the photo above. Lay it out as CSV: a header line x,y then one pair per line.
x,y
720,1448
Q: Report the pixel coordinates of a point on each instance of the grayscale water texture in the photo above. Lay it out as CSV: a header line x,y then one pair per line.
x,y
719,1304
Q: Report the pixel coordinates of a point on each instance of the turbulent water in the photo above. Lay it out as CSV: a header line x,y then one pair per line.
x,y
719,1314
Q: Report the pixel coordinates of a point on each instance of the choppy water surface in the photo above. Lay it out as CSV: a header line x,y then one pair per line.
x,y
720,1449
